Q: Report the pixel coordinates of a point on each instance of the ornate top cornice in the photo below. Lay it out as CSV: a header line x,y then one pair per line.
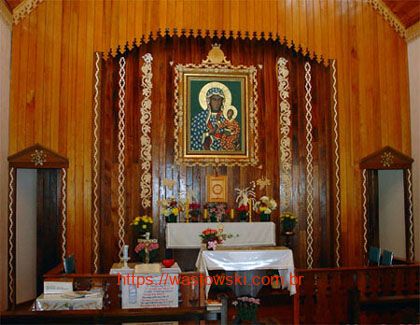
x,y
389,16
24,9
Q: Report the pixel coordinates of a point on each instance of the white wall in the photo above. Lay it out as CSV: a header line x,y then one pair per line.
x,y
391,212
5,51
26,235
414,74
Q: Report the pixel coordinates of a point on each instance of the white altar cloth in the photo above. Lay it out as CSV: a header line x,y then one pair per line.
x,y
280,259
187,235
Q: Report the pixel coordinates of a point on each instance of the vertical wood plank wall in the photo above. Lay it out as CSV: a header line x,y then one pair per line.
x,y
52,81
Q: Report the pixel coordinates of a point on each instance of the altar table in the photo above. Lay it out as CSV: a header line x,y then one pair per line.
x,y
187,235
277,258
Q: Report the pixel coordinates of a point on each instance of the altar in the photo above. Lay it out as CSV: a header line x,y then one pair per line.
x,y
274,258
186,235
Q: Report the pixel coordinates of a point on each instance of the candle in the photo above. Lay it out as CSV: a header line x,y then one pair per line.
x,y
125,252
206,214
232,214
187,211
250,210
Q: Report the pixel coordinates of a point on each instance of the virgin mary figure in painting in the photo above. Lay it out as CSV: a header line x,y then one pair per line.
x,y
215,128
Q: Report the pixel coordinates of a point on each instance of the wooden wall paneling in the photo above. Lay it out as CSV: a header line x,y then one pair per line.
x,y
47,109
403,95
78,162
55,79
30,100
376,108
65,61
190,49
14,87
23,63
354,123
88,135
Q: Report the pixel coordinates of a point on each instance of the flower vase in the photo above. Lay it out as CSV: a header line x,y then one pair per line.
x,y
213,219
264,217
243,217
171,218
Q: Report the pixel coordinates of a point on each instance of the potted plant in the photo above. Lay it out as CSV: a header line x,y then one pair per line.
x,y
264,207
217,211
246,309
243,212
194,211
141,226
288,222
148,250
170,209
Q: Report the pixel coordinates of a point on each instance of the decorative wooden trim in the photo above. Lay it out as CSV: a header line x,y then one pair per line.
x,y
337,166
285,142
410,249
309,167
63,212
146,128
389,16
24,9
96,157
12,238
413,32
6,14
121,156
364,196
37,156
219,33
386,158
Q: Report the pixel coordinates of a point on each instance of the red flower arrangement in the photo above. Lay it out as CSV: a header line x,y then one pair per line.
x,y
213,237
194,211
243,212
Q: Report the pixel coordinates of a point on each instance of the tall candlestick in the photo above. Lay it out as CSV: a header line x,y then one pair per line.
x,y
187,211
250,210
232,214
125,252
206,214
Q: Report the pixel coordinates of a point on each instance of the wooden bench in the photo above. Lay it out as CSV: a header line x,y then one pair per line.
x,y
112,313
358,294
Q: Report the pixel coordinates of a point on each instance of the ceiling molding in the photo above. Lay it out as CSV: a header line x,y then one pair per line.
x,y
413,32
5,13
389,16
24,9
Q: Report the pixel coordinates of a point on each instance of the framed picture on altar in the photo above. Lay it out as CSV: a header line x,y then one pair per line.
x,y
216,113
216,188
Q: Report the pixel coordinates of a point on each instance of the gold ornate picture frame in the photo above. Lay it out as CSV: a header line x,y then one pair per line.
x,y
216,188
216,113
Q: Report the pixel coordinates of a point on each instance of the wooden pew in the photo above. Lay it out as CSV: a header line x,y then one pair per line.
x,y
336,295
112,313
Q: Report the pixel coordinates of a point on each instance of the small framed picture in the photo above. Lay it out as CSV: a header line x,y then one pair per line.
x,y
216,188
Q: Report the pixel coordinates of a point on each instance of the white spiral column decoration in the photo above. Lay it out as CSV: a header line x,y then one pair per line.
x,y
121,156
309,167
11,234
337,168
63,212
410,215
96,166
285,143
146,128
364,197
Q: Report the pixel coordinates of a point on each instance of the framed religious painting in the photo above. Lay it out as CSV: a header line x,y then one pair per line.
x,y
216,113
